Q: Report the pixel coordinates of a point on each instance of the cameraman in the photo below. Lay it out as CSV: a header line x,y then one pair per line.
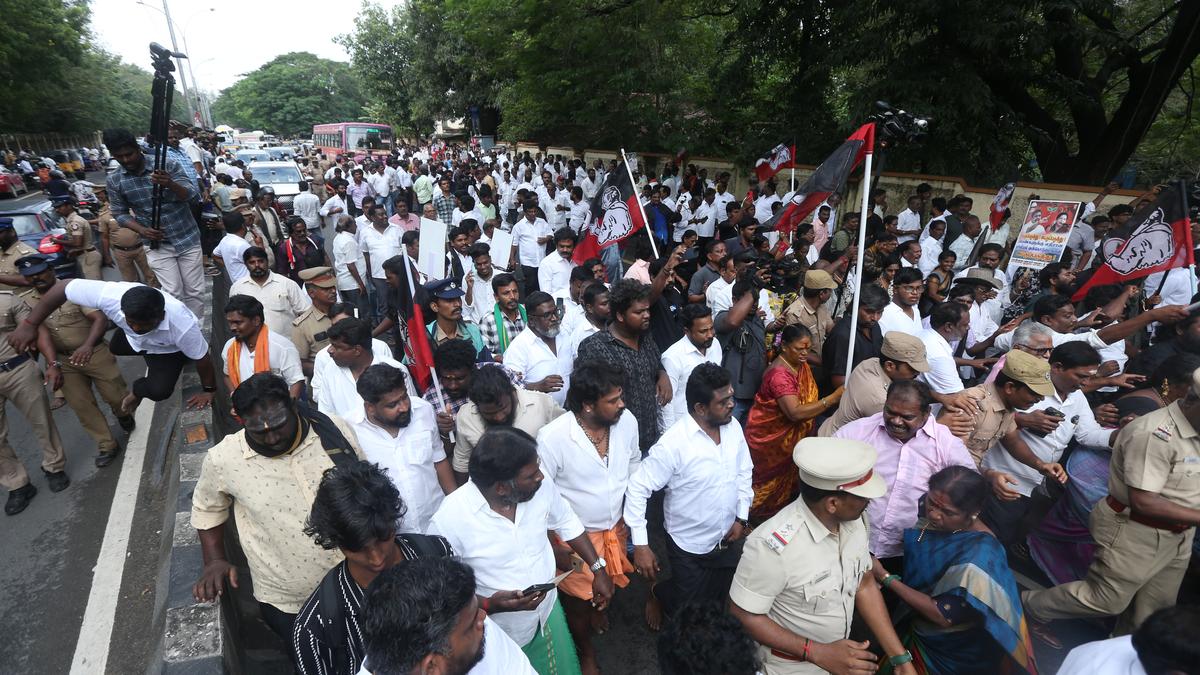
x,y
742,335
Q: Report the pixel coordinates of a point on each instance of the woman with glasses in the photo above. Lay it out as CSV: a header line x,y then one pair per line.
x,y
784,411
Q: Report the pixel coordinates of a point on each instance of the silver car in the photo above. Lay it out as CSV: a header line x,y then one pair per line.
x,y
283,177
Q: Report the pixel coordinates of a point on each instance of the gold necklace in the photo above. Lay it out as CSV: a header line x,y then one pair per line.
x,y
598,442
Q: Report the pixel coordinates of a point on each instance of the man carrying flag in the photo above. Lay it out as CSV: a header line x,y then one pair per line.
x,y
824,181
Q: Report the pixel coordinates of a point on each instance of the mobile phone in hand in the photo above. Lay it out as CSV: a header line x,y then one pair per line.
x,y
538,588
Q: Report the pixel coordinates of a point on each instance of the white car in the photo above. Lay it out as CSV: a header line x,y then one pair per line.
x,y
283,177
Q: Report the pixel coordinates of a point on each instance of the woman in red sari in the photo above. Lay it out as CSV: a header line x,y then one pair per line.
x,y
784,411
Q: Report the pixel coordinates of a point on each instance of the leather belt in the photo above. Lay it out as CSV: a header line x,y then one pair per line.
x,y
1157,524
13,363
127,248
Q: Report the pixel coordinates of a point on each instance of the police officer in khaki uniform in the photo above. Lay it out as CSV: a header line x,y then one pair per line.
x,y
804,570
1144,528
78,337
11,248
79,238
21,382
121,245
310,328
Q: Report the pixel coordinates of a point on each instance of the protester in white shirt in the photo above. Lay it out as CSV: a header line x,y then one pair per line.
x,y
349,264
704,217
244,315
497,524
535,353
308,206
555,204
581,210
406,600
530,236
695,347
589,455
705,464
281,298
334,207
379,241
908,221
228,252
400,434
901,313
554,270
336,368
948,323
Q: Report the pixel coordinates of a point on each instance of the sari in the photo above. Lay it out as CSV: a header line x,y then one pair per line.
x,y
772,437
1062,544
967,575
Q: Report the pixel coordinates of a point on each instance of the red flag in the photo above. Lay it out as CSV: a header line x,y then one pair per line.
x,y
414,337
824,181
777,158
616,214
1000,205
1158,237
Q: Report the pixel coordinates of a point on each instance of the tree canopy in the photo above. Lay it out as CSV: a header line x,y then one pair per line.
x,y
291,93
1066,88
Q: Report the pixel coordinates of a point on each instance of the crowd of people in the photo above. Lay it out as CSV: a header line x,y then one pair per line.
x,y
832,500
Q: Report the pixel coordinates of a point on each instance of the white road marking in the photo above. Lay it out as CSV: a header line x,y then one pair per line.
x,y
95,633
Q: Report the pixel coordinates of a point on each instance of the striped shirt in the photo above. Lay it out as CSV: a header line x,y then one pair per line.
x,y
133,192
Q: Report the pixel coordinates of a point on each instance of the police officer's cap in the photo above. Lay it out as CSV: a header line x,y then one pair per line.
x,y
446,289
31,265
6,224
839,464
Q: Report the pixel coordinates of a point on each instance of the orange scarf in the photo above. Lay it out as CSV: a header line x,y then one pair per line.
x,y
262,356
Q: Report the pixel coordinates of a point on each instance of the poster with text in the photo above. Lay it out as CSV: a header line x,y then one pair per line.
x,y
431,259
1044,233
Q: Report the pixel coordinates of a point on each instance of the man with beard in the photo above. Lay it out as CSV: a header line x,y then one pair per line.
x,y
254,348
529,238
399,433
867,341
536,353
912,446
507,317
265,475
570,299
281,298
334,207
704,463
627,344
681,358
554,271
425,617
77,334
589,456
493,400
594,318
506,508
310,330
480,300
176,259
336,368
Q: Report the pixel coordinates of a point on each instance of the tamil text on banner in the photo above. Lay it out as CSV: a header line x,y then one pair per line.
x,y
1044,233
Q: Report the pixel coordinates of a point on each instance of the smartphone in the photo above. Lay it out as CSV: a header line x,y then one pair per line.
x,y
538,588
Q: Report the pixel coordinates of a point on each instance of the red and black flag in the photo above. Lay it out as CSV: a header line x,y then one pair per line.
x,y
778,158
616,214
1000,205
410,321
1158,237
826,180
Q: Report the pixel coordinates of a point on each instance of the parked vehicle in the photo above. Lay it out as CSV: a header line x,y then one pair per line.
x,y
12,183
35,227
282,153
283,177
69,162
249,156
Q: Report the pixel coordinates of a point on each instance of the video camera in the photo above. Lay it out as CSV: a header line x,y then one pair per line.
x,y
901,125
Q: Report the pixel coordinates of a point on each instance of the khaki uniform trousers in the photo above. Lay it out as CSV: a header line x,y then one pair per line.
x,y
131,262
1137,570
77,387
25,388
89,265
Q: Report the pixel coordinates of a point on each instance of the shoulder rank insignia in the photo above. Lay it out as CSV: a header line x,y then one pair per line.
x,y
1163,433
780,538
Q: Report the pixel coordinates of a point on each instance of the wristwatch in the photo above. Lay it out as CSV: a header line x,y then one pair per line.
x,y
600,564
742,521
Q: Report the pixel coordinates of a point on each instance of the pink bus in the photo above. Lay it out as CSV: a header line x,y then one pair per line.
x,y
360,139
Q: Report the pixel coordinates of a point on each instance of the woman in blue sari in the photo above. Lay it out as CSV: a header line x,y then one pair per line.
x,y
961,611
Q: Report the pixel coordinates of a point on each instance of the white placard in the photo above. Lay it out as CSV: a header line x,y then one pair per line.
x,y
501,245
431,257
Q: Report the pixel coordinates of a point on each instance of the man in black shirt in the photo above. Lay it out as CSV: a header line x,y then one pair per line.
x,y
867,341
1185,339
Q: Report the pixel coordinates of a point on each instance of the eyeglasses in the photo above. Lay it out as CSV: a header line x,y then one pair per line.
x,y
1043,352
552,314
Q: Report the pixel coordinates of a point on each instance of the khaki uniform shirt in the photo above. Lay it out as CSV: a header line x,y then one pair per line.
x,y
803,577
8,262
1158,452
534,411
120,236
865,394
12,311
817,322
310,333
69,325
991,424
271,499
76,226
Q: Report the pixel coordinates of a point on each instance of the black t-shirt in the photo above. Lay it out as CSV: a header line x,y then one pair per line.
x,y
833,353
664,317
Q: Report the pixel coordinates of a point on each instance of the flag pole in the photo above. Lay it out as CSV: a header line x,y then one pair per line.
x,y
1187,228
793,181
862,237
633,184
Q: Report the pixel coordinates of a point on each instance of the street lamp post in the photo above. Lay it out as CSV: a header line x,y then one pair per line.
x,y
178,63
194,105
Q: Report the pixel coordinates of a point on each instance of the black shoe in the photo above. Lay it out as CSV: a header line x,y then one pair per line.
x,y
105,458
126,422
58,480
18,499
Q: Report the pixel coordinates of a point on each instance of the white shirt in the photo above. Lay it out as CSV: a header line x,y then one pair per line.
x,y
230,250
554,273
679,360
708,485
408,459
719,202
1003,342
995,306
501,656
508,554
308,206
908,220
894,319
549,205
568,344
380,183
525,235
460,215
1176,290
1078,423
707,215
334,202
533,359
1115,656
179,330
594,488
281,298
943,374
579,215
483,298
346,250
380,246
762,207
283,359
719,295
336,391
589,187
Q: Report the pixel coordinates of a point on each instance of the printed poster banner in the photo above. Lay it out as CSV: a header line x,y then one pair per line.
x,y
1044,233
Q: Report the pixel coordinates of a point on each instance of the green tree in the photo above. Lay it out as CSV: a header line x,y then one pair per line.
x,y
291,93
40,42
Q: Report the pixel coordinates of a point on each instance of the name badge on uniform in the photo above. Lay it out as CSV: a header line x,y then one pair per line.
x,y
780,538
1163,433
320,336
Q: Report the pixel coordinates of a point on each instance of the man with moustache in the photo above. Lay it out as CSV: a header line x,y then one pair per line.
x,y
681,358
507,318
536,352
254,348
281,298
